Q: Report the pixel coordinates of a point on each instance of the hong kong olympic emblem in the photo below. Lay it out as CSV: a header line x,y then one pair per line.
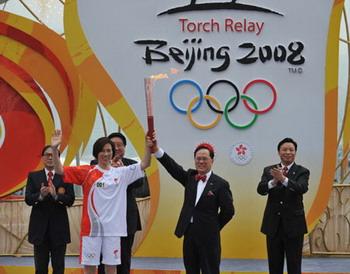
x,y
215,105
241,154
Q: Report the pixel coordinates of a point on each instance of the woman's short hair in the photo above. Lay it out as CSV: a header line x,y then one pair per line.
x,y
99,144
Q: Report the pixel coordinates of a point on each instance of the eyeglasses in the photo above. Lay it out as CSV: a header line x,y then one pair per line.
x,y
118,145
48,155
204,159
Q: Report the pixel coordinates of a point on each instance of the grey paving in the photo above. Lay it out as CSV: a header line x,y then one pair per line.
x,y
310,264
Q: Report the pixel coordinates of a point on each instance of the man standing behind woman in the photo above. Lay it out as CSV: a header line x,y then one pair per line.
x,y
104,201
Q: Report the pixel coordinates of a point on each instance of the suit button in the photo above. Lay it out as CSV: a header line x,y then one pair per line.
x,y
278,213
281,202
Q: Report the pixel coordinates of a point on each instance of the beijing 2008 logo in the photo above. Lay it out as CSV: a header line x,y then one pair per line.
x,y
229,106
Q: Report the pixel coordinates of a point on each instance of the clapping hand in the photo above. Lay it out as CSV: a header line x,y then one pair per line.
x,y
52,191
44,190
277,174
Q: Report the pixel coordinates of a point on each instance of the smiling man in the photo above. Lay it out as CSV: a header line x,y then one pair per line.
x,y
284,221
49,197
207,208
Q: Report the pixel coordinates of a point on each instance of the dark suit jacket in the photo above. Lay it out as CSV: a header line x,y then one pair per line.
x,y
214,208
48,216
132,212
133,220
285,204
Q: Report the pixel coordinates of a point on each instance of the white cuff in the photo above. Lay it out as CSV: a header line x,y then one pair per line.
x,y
271,184
159,153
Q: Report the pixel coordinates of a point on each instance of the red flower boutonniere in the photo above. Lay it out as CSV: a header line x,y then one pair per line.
x,y
210,193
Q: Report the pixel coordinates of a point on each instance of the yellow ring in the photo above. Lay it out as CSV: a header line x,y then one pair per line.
x,y
201,126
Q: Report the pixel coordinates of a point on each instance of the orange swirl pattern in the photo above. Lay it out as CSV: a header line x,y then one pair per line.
x,y
331,117
36,68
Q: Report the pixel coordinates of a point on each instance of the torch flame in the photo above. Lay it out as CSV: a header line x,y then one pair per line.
x,y
174,71
159,76
164,75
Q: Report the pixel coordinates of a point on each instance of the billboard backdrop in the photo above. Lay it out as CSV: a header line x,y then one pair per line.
x,y
241,75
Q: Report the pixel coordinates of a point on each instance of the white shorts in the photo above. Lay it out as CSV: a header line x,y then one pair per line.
x,y
92,247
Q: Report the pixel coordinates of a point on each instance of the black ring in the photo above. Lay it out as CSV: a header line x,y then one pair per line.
x,y
235,89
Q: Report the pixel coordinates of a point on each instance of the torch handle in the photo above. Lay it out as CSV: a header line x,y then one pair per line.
x,y
150,123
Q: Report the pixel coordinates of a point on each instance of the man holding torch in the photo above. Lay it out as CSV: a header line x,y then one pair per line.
x,y
207,207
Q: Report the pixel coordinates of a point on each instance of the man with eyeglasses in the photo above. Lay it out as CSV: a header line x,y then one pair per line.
x,y
48,224
207,208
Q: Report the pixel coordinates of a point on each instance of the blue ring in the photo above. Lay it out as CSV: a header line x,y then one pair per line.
x,y
183,82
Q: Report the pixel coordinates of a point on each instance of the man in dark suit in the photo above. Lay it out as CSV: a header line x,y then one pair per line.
x,y
284,221
207,208
48,224
137,189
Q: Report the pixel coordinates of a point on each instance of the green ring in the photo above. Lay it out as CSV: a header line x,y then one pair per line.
x,y
228,118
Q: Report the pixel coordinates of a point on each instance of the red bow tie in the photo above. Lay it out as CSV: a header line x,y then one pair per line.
x,y
200,177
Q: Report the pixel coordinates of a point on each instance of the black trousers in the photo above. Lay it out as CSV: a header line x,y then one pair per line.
x,y
201,251
281,246
125,249
42,255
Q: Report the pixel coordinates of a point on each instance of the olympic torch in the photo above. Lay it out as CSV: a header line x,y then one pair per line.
x,y
149,82
149,105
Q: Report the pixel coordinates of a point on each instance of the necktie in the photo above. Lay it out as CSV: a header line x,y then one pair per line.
x,y
49,178
200,177
285,171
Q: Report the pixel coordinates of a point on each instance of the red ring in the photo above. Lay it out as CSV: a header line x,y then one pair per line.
x,y
274,93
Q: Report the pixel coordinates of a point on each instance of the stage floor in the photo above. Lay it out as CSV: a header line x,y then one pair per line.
x,y
16,265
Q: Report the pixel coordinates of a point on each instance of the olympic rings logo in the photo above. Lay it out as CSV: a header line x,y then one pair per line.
x,y
215,105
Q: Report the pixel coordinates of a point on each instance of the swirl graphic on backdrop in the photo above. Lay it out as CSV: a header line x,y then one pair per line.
x,y
213,103
37,79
